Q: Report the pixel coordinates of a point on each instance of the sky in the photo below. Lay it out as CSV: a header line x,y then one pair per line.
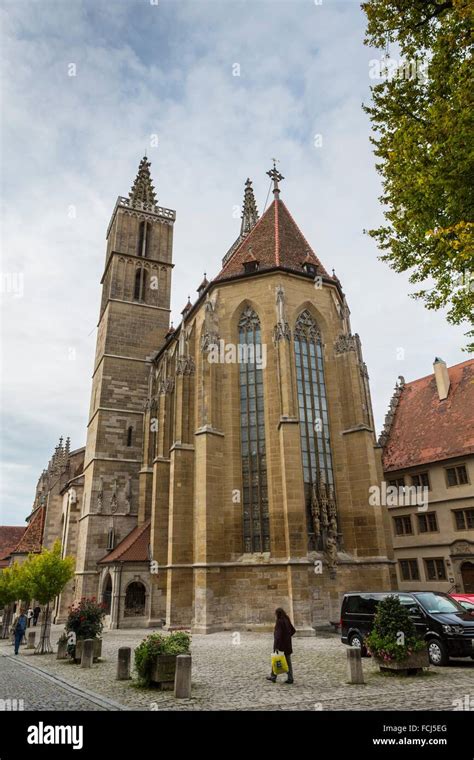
x,y
211,91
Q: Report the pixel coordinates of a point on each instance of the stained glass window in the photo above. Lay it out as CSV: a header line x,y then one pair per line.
x,y
313,411
256,524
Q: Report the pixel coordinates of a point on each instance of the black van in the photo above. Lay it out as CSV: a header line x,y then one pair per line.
x,y
447,627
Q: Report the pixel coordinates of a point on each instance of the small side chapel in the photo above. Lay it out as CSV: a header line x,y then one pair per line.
x,y
228,459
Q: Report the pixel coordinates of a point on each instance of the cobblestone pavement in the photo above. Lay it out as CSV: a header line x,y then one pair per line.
x,y
36,691
229,672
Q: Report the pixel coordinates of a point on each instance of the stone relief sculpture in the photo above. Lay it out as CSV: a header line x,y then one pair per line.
x,y
324,515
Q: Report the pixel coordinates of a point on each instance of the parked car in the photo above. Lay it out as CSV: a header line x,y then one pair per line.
x,y
445,625
465,600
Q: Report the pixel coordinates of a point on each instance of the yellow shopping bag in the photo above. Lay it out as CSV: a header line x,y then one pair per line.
x,y
279,664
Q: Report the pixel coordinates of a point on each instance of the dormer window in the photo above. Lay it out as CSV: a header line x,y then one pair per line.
x,y
250,266
309,269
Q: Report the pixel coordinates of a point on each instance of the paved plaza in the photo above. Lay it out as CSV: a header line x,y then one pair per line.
x,y
229,672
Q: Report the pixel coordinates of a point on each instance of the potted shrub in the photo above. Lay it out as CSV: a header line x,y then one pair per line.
x,y
155,657
85,621
393,642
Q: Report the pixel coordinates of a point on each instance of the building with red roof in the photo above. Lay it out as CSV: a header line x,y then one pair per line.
x,y
10,536
428,443
227,455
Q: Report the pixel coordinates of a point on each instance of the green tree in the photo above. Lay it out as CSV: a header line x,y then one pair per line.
x,y
46,575
13,587
422,115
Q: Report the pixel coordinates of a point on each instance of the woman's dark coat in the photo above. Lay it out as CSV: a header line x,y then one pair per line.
x,y
282,636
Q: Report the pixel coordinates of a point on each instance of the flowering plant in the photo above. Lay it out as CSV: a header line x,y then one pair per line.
x,y
85,619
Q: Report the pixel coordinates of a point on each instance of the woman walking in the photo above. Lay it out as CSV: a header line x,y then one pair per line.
x,y
282,634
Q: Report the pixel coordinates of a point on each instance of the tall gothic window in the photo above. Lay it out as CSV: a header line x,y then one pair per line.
x,y
313,416
252,427
140,284
141,238
144,234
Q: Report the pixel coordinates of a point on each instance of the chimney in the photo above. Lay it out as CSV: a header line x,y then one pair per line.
x,y
442,378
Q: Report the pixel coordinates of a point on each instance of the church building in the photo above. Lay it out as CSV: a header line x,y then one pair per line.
x,y
229,459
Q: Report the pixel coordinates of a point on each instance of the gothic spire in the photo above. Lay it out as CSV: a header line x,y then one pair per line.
x,y
142,194
249,210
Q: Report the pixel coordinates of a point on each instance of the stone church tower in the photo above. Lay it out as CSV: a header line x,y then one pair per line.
x,y
133,321
228,461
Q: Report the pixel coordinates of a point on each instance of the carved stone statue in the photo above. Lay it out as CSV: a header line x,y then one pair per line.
x,y
128,494
210,335
282,328
315,512
185,362
100,495
331,551
113,500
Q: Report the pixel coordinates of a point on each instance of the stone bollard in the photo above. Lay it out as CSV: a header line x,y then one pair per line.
x,y
123,663
182,678
31,639
354,665
62,650
87,653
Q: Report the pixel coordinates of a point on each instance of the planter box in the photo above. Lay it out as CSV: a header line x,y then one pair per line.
x,y
163,671
97,650
409,666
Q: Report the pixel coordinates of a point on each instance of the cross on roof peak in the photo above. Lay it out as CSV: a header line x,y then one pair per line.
x,y
277,177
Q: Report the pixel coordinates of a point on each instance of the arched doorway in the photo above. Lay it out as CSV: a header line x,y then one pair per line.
x,y
467,575
107,595
135,600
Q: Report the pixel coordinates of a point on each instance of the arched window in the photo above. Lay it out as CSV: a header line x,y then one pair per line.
x,y
135,600
254,462
129,436
140,284
314,429
107,595
110,539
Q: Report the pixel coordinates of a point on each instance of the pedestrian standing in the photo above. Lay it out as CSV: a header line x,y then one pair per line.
x,y
36,614
19,629
282,634
29,616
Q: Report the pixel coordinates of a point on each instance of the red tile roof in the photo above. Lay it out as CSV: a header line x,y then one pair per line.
x,y
426,429
275,241
32,538
9,537
133,548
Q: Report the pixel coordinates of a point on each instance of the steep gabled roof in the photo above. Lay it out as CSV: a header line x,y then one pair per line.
x,y
274,241
426,429
133,548
32,538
